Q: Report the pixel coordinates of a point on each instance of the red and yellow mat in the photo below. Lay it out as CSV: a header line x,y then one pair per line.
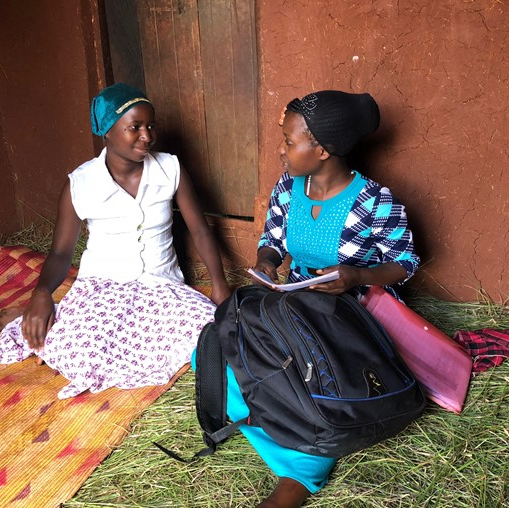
x,y
49,447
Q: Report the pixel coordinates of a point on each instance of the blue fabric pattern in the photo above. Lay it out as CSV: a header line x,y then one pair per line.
x,y
375,230
314,242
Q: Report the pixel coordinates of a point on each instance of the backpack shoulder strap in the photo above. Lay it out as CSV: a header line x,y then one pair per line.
x,y
210,382
211,391
210,387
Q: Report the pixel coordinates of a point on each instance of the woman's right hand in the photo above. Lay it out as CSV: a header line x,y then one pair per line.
x,y
38,318
268,268
39,314
267,262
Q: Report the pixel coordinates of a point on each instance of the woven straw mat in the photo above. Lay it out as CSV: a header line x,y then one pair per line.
x,y
49,447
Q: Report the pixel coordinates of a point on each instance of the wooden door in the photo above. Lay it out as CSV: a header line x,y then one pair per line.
x,y
199,67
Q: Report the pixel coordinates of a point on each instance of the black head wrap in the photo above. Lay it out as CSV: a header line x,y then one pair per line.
x,y
338,120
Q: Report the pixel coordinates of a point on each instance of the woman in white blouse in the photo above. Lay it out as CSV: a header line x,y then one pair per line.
x,y
129,320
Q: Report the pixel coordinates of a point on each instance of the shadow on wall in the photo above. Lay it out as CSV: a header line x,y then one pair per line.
x,y
372,158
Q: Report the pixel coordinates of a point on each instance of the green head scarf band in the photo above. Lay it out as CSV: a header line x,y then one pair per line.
x,y
111,104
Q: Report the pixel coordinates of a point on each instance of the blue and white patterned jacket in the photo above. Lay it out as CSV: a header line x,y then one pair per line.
x,y
375,230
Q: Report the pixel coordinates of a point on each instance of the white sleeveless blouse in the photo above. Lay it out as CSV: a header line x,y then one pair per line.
x,y
129,238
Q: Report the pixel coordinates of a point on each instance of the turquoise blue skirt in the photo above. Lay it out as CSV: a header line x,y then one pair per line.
x,y
309,470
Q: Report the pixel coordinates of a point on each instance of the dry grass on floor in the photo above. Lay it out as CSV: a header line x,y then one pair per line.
x,y
442,460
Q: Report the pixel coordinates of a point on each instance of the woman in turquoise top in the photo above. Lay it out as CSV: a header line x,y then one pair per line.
x,y
326,217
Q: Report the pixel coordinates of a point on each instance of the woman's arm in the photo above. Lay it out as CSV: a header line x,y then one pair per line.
x,y
385,274
39,314
202,236
393,241
274,231
271,247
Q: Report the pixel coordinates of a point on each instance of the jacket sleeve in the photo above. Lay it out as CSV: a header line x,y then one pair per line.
x,y
274,233
393,237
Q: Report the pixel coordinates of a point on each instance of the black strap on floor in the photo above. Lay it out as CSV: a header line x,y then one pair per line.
x,y
210,395
210,440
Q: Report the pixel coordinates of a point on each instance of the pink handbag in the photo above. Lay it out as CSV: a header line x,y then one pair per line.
x,y
441,365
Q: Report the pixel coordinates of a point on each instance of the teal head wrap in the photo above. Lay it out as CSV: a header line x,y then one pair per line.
x,y
111,103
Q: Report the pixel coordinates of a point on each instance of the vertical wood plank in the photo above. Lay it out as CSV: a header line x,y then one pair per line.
x,y
171,57
199,59
227,33
124,42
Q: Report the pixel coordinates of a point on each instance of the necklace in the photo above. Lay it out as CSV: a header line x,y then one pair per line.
x,y
308,182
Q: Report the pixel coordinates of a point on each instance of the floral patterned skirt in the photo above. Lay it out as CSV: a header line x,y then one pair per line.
x,y
110,334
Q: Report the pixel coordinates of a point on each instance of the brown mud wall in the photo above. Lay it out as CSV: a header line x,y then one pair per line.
x,y
440,73
438,70
50,67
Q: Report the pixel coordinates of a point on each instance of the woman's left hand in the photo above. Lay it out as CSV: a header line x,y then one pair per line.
x,y
384,274
349,277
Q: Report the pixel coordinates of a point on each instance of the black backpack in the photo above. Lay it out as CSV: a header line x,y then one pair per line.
x,y
318,372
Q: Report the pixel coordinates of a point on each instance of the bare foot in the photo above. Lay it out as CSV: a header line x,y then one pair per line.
x,y
287,494
10,314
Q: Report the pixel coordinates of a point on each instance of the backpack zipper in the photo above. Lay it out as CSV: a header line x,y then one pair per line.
x,y
273,330
379,334
308,359
277,336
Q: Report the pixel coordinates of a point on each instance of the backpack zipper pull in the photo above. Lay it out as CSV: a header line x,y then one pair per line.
x,y
287,362
309,372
